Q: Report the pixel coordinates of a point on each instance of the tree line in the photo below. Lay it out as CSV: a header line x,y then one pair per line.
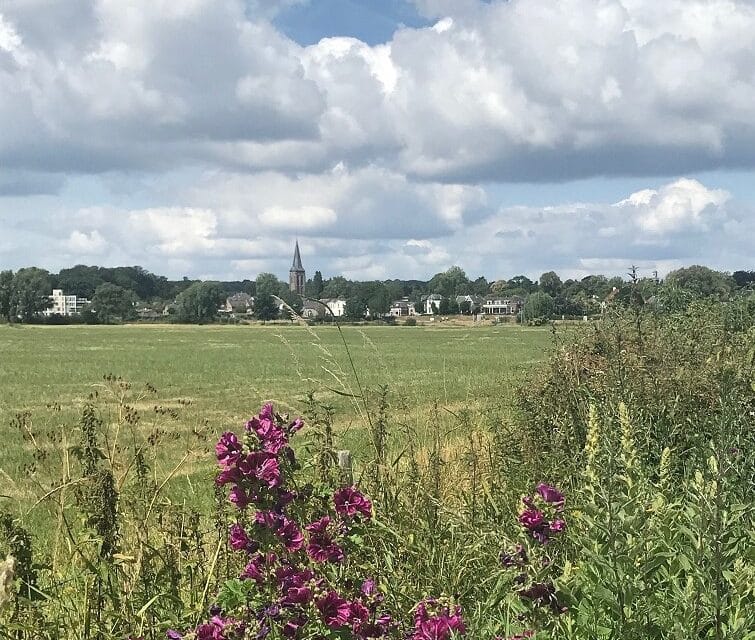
x,y
116,294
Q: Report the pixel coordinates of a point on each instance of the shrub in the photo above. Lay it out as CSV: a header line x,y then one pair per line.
x,y
410,322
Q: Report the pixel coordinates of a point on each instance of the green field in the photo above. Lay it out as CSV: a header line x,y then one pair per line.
x,y
227,372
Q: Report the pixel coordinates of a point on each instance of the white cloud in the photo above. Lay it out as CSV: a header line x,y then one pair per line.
x,y
684,204
305,218
692,223
88,244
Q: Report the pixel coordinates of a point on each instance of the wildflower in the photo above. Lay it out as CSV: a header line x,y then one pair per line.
x,y
269,472
557,526
550,494
531,519
228,476
290,534
239,497
439,625
297,596
237,538
295,426
543,594
349,501
228,449
321,547
334,610
292,627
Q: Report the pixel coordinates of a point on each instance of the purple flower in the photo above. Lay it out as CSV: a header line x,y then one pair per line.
x,y
550,494
227,476
334,610
369,587
269,472
237,538
228,449
349,502
239,497
297,596
173,635
531,519
557,526
437,626
290,534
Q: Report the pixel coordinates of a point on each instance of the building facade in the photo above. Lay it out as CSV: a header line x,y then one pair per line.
x,y
63,305
297,277
502,306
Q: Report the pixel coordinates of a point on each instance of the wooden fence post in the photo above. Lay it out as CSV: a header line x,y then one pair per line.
x,y
345,466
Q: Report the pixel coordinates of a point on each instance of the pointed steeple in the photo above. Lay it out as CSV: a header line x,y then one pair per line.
x,y
297,266
297,277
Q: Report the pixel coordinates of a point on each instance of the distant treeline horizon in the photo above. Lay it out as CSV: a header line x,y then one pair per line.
x,y
116,294
83,280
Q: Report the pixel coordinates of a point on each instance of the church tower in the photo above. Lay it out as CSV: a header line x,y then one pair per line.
x,y
297,277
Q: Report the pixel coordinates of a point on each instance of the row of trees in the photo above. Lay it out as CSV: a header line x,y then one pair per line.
x,y
116,292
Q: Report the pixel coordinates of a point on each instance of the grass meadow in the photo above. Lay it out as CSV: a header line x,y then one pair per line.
x,y
215,377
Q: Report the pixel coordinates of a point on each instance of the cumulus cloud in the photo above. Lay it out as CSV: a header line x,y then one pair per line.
x,y
684,204
88,244
210,138
502,90
690,222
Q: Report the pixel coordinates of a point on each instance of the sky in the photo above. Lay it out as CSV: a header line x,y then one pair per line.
x,y
392,138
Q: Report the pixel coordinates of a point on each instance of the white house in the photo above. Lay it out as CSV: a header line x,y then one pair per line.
x,y
432,303
64,305
401,308
502,305
335,306
238,303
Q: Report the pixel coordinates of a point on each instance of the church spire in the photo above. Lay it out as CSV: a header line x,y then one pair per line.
x,y
297,277
297,266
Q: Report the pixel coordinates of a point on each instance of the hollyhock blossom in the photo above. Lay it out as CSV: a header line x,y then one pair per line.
x,y
228,476
290,534
557,526
349,501
269,472
228,449
531,519
322,547
440,625
334,610
237,538
297,596
550,494
239,497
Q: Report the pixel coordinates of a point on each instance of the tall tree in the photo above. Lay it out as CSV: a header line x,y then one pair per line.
x,y
6,295
200,302
701,281
355,309
265,307
31,293
481,286
111,303
379,302
449,283
539,305
337,287
550,283
315,286
267,283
